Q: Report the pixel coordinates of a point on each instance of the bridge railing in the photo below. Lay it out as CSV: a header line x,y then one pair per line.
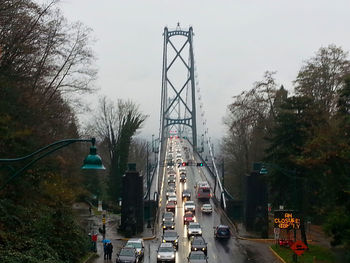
x,y
215,177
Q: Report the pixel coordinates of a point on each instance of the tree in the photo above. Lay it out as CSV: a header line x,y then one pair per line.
x,y
116,125
321,77
42,58
249,121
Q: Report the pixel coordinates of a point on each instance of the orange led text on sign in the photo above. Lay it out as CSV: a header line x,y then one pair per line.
x,y
288,221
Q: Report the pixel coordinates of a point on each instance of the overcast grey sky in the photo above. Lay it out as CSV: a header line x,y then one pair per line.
x,y
235,42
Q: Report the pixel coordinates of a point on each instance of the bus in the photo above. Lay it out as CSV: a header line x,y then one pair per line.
x,y
203,191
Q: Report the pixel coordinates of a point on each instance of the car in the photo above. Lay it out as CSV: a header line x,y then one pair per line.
x,y
168,216
194,229
171,206
189,217
222,232
168,225
178,160
198,244
171,179
138,244
171,170
207,208
172,197
127,254
190,206
172,185
197,257
166,253
170,190
183,178
171,236
186,194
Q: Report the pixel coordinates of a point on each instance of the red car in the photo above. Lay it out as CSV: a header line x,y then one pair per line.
x,y
188,217
170,206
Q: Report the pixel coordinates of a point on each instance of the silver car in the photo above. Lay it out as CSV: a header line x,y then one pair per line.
x,y
166,253
194,229
138,244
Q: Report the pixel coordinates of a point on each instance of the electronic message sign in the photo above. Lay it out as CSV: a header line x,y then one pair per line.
x,y
285,219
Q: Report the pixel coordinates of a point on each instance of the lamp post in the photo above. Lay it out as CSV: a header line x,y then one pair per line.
x,y
149,192
91,162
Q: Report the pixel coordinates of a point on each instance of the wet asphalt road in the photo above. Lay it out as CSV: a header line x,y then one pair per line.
x,y
218,251
232,250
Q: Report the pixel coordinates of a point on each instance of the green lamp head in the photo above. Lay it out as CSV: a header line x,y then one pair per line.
x,y
263,171
93,161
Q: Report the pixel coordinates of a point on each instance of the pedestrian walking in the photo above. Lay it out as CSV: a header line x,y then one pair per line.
x,y
109,250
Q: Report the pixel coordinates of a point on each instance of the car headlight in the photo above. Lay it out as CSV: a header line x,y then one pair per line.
x,y
195,249
164,226
164,240
194,218
176,240
200,231
172,226
203,248
158,256
173,255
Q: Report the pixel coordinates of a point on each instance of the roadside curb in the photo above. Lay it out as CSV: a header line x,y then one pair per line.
x,y
92,255
265,240
144,238
277,256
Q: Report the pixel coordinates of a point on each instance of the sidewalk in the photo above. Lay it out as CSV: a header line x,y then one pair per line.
x,y
92,224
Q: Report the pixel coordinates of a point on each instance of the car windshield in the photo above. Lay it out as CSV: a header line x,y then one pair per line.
x,y
194,226
166,249
207,206
197,256
134,244
188,214
168,214
127,252
170,234
198,241
189,203
223,230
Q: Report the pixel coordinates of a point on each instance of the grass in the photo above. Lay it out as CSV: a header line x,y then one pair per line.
x,y
321,254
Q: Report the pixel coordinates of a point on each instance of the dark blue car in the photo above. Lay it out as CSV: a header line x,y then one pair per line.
x,y
222,232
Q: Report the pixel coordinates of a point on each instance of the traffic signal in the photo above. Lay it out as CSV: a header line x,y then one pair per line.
x,y
200,164
184,164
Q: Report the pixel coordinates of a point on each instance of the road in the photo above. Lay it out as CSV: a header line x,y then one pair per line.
x,y
232,250
227,251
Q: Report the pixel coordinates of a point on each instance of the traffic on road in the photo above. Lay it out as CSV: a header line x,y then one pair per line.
x,y
190,227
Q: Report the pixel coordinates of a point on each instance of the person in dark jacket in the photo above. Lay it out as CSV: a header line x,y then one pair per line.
x,y
109,250
105,253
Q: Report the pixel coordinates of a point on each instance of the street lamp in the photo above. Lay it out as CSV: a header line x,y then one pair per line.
x,y
91,162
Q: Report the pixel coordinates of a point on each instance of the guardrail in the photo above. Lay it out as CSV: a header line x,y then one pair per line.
x,y
214,175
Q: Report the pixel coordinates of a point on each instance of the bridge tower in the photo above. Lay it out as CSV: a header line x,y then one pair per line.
x,y
178,102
